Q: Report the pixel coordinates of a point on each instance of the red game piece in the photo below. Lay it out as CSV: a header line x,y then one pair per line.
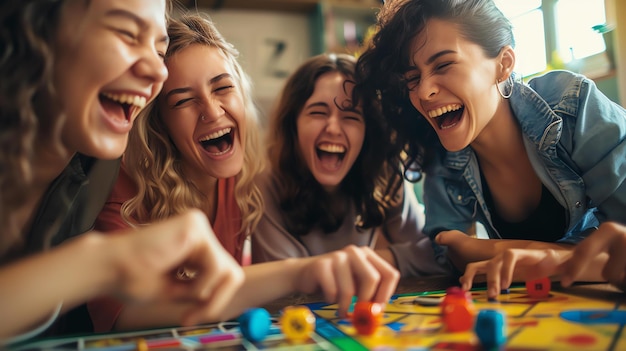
x,y
538,288
367,317
457,310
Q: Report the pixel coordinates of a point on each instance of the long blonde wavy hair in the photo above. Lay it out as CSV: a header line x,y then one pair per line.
x,y
153,162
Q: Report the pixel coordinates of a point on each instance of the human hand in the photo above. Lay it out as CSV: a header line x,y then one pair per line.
x,y
463,249
609,240
352,271
519,264
146,261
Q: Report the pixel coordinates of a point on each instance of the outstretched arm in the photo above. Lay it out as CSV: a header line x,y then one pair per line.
x,y
600,257
339,275
463,249
133,268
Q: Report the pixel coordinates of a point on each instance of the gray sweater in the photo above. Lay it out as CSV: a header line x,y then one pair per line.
x,y
402,229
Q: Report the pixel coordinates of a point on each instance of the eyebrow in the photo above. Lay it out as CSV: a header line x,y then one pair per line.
x,y
187,89
138,20
438,55
349,108
316,104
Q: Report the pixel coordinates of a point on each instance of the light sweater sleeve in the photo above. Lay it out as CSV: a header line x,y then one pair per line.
x,y
270,240
412,249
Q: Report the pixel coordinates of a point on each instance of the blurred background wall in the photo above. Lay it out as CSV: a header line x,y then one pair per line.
x,y
275,36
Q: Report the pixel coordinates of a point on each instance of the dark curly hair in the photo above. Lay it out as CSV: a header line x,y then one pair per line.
x,y
304,202
380,69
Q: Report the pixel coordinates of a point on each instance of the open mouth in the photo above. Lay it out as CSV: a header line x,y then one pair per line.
x,y
330,155
447,116
218,143
122,105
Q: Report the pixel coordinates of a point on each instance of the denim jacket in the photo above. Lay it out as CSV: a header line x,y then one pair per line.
x,y
575,138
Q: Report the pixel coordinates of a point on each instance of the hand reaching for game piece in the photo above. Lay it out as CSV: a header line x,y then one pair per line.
x,y
513,264
352,271
598,257
146,262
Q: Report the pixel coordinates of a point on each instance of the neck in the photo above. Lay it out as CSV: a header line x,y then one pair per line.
x,y
501,141
207,186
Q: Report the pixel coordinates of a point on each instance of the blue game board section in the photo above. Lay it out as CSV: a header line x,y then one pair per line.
x,y
396,326
316,305
595,316
326,329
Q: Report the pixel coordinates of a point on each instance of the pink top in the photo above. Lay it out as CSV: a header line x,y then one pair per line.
x,y
105,311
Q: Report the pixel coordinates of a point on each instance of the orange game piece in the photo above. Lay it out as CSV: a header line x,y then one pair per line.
x,y
457,310
367,317
538,288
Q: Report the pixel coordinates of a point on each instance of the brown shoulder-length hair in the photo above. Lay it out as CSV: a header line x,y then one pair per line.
x,y
153,161
303,201
29,109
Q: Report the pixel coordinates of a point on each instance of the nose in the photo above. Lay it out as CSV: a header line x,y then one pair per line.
x,y
333,124
151,66
427,89
211,111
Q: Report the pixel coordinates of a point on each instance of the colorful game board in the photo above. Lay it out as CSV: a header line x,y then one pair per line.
x,y
411,322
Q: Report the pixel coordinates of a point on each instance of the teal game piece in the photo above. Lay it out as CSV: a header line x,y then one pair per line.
x,y
490,328
254,324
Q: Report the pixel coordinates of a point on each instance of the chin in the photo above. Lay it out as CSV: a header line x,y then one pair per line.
x,y
107,150
228,172
328,183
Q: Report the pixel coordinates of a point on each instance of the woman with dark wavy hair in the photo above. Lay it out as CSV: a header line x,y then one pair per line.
x,y
75,74
538,164
327,187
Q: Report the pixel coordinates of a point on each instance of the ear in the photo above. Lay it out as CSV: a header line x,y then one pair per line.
x,y
506,62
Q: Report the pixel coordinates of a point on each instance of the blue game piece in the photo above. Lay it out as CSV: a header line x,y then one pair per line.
x,y
254,324
350,308
490,328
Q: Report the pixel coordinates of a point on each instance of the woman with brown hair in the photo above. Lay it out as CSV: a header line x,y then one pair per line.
x,y
328,185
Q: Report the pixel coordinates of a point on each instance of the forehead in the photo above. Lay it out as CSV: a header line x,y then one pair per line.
x,y
196,62
437,35
331,84
151,13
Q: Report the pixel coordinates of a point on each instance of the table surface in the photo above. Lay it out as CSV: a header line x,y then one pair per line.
x,y
413,285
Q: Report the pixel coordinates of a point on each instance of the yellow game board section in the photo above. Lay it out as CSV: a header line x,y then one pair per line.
x,y
532,324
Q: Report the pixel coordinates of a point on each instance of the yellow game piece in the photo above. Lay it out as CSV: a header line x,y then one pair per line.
x,y
297,323
142,345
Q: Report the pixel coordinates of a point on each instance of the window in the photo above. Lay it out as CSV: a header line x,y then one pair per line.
x,y
555,33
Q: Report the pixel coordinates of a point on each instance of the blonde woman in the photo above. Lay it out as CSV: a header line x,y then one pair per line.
x,y
197,147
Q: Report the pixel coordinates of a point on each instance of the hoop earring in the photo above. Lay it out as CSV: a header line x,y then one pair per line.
x,y
510,80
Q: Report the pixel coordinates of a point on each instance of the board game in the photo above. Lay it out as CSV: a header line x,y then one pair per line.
x,y
410,322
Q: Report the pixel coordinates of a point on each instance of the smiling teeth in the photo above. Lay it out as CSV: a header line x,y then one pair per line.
x,y
136,100
333,148
445,109
216,135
